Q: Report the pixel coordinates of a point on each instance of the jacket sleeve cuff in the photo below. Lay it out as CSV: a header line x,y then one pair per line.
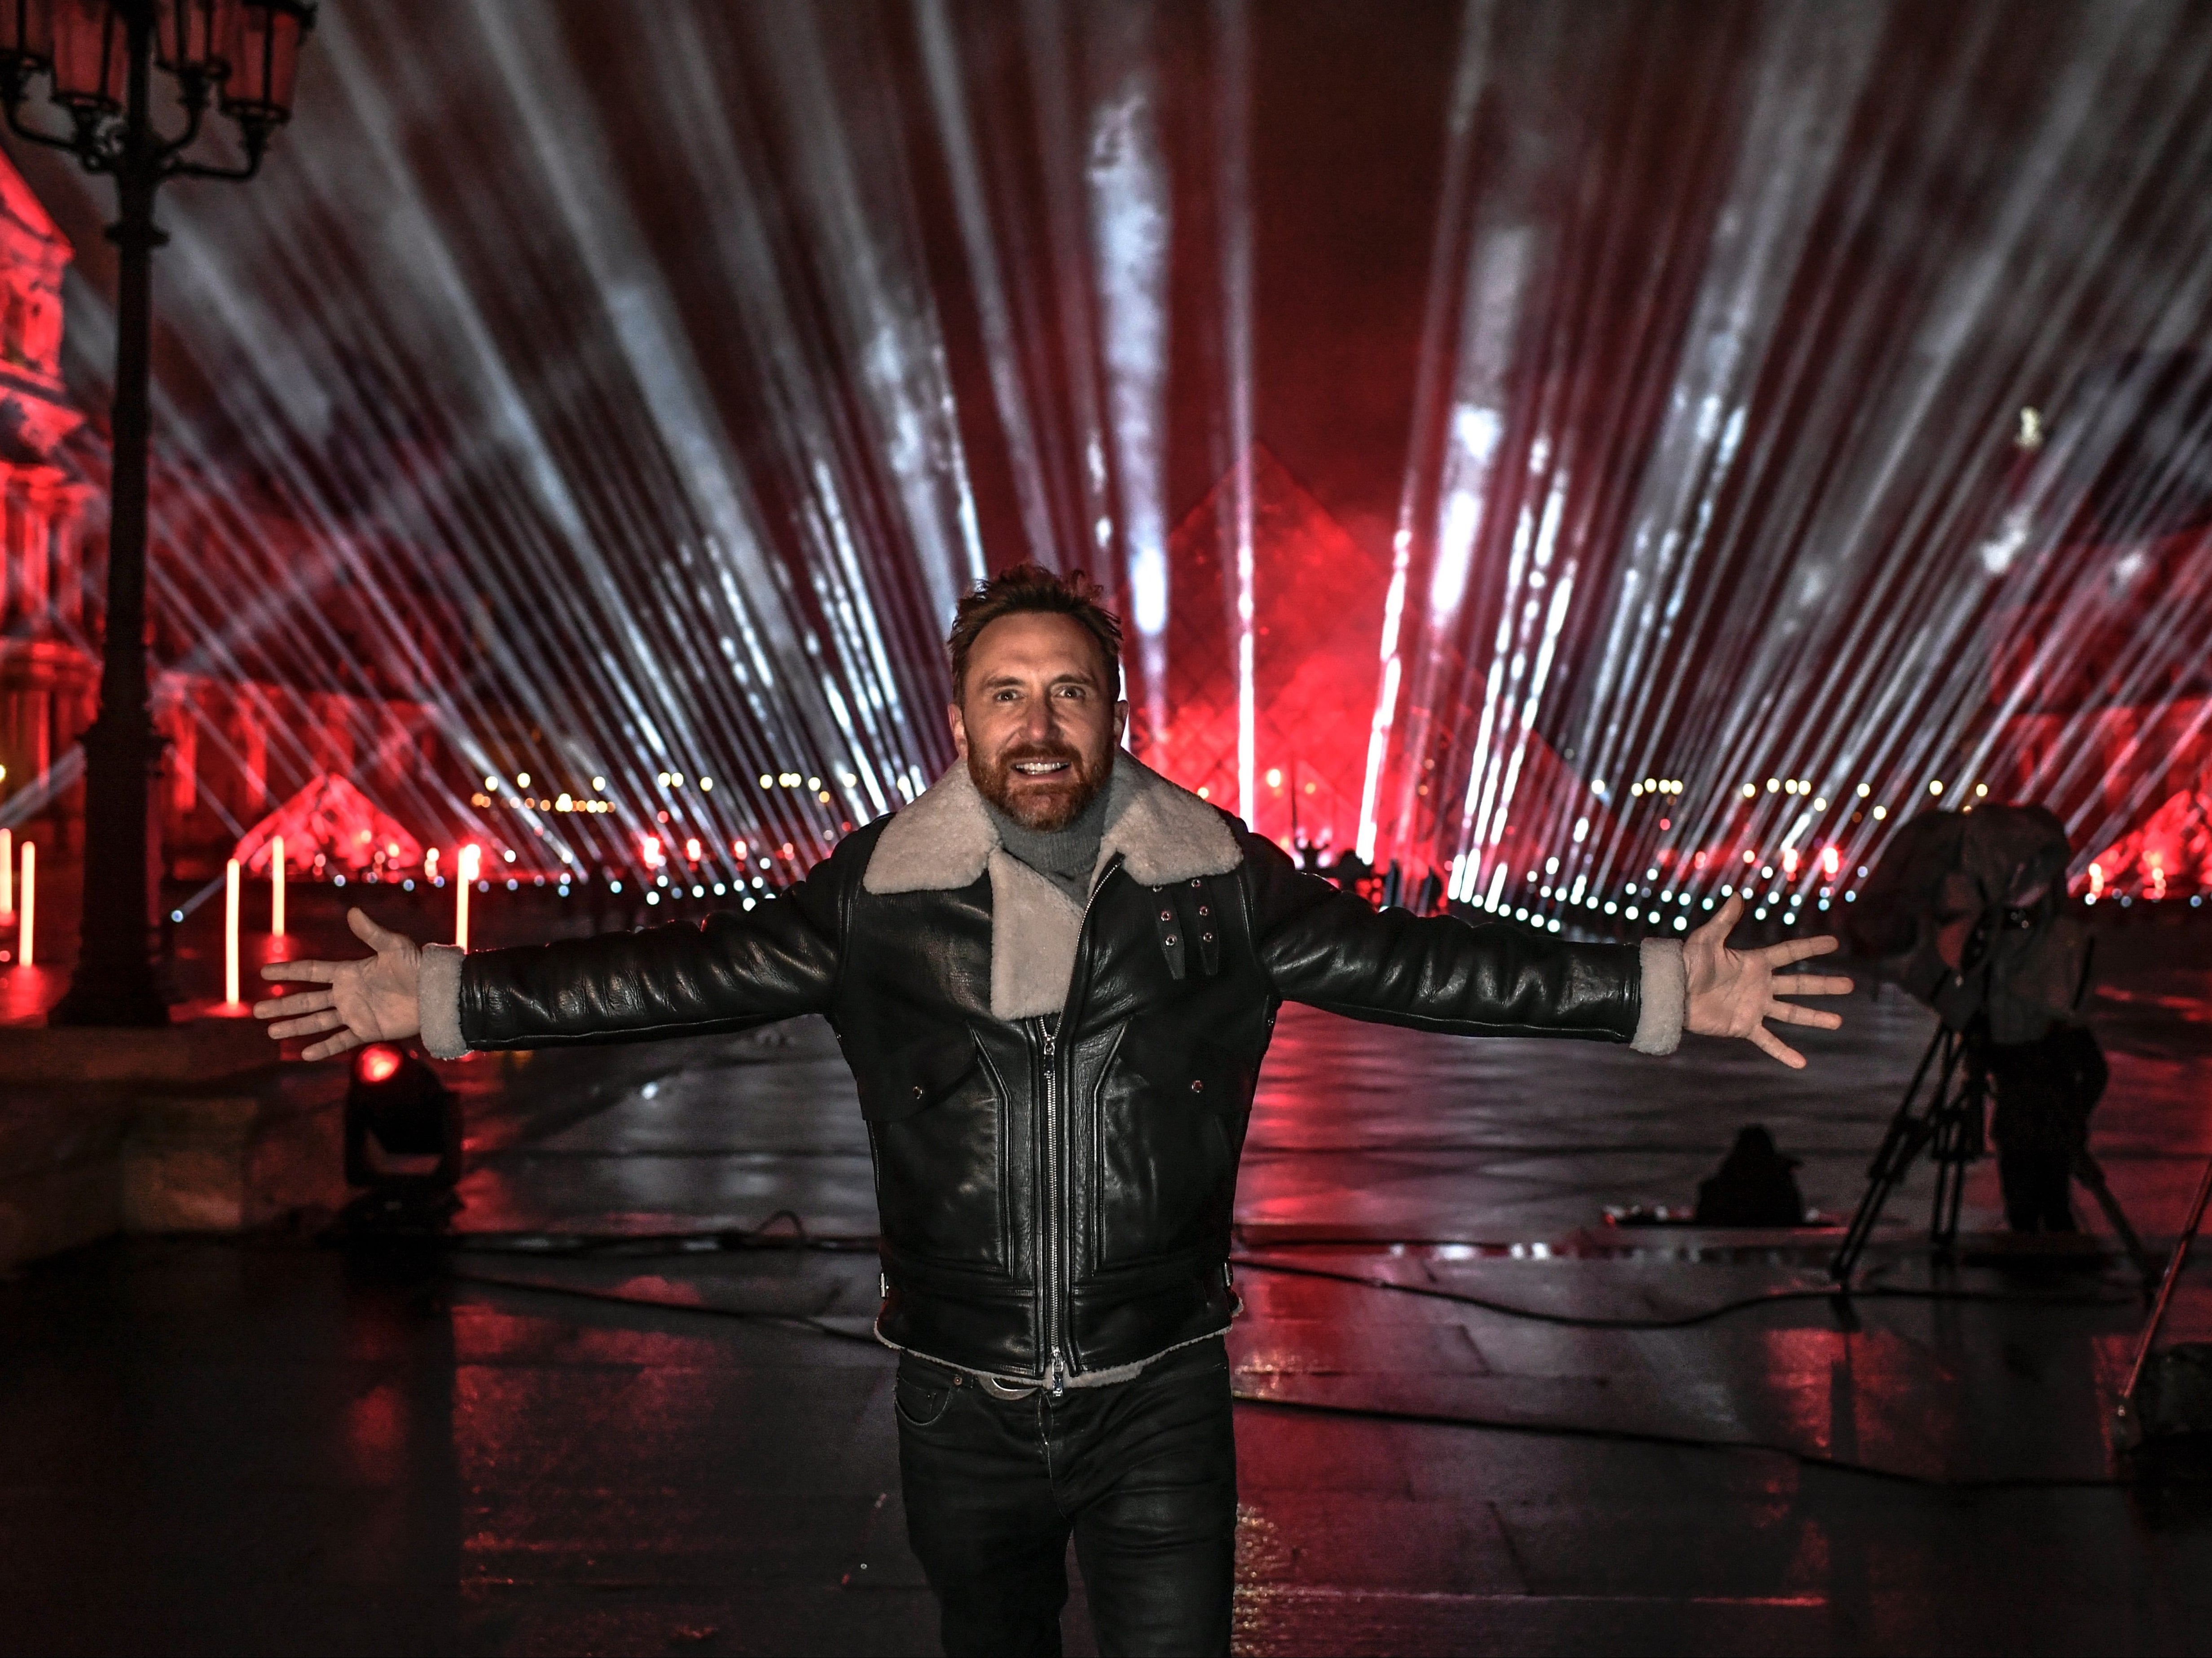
x,y
1666,997
438,1001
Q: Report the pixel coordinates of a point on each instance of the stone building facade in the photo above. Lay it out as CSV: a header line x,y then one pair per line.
x,y
241,735
49,673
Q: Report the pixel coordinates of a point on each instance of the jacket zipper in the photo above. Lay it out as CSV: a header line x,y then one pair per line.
x,y
1056,1375
1056,1222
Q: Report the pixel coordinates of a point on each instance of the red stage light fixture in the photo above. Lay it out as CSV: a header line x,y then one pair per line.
x,y
403,1126
377,1063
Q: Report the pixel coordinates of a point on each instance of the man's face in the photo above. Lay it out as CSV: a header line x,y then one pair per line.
x,y
1036,720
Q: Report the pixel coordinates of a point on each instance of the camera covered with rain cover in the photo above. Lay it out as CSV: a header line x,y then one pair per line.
x,y
1966,910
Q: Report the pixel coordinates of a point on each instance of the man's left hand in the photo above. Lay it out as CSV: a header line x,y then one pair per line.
x,y
1734,993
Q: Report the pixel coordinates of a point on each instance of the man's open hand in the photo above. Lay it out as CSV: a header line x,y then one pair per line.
x,y
372,1000
1732,993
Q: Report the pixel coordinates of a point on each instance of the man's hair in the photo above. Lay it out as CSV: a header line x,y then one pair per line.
x,y
1029,587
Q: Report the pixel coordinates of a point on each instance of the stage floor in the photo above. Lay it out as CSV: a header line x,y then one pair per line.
x,y
536,1446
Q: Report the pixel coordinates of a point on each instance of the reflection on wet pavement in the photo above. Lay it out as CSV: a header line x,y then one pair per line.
x,y
1476,1417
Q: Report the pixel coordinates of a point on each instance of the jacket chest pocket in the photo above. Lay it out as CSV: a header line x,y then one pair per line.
x,y
1186,920
1169,1130
937,1128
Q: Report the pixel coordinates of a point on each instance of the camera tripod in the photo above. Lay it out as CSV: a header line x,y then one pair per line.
x,y
1950,1122
1950,1127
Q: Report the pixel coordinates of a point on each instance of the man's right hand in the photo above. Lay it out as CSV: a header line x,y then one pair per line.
x,y
369,1001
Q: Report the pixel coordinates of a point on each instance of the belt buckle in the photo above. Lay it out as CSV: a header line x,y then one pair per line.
x,y
998,1389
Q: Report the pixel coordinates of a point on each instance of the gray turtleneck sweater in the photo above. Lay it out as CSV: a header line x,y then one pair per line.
x,y
1066,857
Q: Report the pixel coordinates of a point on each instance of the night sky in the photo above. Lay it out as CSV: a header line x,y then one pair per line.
x,y
651,341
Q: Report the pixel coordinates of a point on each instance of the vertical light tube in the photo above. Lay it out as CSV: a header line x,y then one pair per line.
x,y
468,873
1233,27
230,880
276,886
25,940
7,871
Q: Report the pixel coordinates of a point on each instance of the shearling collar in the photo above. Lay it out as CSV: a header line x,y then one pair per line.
x,y
944,840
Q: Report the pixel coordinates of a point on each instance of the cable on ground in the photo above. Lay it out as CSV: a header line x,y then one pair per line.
x,y
1415,1419
1830,1292
573,1245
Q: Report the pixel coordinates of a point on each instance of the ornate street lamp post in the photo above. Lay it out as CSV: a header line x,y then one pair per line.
x,y
241,55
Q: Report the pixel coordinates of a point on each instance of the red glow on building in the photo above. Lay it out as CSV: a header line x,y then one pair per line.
x,y
1319,613
2171,854
330,821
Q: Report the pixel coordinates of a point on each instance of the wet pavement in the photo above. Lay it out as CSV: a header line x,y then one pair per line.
x,y
638,1412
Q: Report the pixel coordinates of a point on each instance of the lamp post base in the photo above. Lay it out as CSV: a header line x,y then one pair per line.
x,y
118,976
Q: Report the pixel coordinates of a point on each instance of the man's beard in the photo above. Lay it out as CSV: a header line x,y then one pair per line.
x,y
1047,805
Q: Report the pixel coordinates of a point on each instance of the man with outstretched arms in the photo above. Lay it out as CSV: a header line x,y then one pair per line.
x,y
1054,976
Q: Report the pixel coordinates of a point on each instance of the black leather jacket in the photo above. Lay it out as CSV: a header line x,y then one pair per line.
x,y
1054,1192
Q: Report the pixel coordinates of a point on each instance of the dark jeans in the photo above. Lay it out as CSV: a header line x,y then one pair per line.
x,y
2037,1185
1143,1473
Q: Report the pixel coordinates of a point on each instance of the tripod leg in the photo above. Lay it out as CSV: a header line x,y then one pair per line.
x,y
1943,1208
1901,1143
2092,1177
1940,1201
1888,1172
1950,1197
1951,1115
2174,1271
